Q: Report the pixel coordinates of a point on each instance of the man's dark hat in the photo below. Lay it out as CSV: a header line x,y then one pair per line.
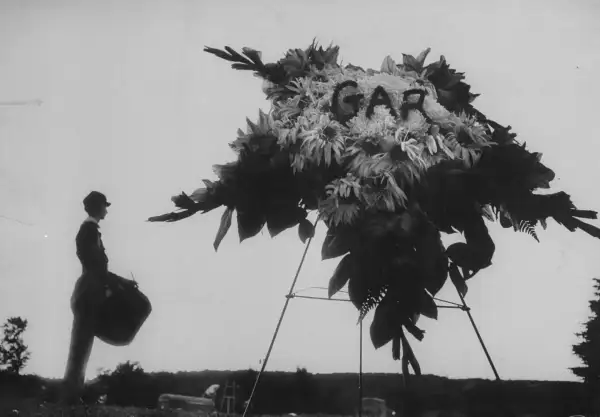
x,y
95,199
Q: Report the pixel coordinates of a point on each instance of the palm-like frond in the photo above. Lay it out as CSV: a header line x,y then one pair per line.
x,y
295,64
249,61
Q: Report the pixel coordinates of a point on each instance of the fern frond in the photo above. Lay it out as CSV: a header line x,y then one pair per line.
x,y
526,226
371,301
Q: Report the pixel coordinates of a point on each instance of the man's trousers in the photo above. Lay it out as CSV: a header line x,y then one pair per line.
x,y
87,296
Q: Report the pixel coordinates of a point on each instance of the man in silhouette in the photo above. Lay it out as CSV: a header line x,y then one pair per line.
x,y
91,289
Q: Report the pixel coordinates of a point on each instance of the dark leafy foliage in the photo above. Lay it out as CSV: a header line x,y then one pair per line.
x,y
345,269
296,62
128,385
14,353
588,349
302,392
306,230
394,260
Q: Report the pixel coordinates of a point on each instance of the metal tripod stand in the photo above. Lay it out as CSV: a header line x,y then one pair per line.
x,y
291,294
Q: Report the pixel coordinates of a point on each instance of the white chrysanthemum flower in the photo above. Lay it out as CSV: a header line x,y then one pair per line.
x,y
474,130
435,111
322,141
395,149
380,124
414,122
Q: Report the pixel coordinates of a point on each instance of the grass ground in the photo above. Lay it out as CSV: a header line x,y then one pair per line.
x,y
34,408
31,408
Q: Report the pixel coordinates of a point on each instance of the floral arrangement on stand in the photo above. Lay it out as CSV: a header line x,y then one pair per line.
x,y
390,159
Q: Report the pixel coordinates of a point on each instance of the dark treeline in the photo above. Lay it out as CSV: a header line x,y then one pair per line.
x,y
303,392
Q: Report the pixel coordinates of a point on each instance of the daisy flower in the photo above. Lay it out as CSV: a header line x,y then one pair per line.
x,y
322,141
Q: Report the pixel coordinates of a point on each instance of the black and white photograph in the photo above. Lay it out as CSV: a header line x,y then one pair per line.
x,y
317,208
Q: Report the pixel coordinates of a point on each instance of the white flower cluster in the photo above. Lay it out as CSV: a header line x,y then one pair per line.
x,y
376,143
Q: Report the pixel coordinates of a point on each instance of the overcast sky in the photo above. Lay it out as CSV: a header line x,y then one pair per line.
x,y
134,108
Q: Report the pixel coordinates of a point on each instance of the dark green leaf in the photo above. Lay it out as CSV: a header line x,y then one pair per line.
x,y
458,280
501,134
358,289
505,221
223,227
250,223
219,53
378,225
172,217
414,330
235,55
183,201
279,160
345,269
333,246
411,63
431,257
436,278
284,217
428,307
209,184
386,324
422,56
338,242
306,230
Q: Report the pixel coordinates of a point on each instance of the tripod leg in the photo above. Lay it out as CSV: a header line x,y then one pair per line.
x,y
468,310
287,301
360,372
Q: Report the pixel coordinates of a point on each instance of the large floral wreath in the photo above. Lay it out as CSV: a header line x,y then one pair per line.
x,y
389,159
